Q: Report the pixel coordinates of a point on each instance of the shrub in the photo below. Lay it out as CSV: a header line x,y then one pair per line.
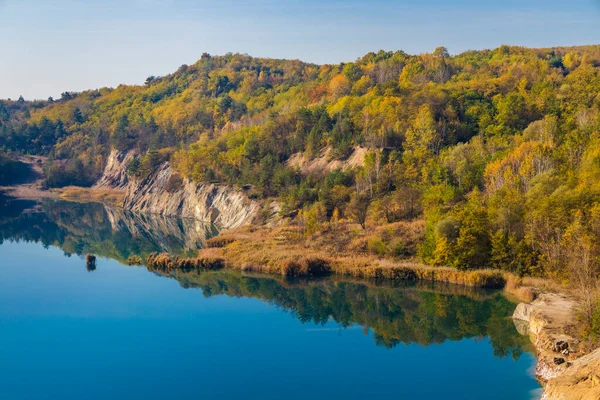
x,y
134,260
164,262
398,248
174,183
306,266
218,242
377,246
12,172
594,329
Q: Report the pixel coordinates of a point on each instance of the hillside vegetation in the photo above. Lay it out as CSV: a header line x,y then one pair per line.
x,y
497,150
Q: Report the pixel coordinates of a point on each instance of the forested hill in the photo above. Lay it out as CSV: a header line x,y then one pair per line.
x,y
498,150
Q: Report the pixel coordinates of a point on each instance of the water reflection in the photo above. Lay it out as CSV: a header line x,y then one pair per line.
x,y
93,228
407,313
396,313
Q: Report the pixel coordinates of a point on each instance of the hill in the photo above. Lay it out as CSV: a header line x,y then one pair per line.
x,y
497,150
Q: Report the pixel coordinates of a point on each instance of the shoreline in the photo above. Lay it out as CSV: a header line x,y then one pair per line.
x,y
33,191
567,372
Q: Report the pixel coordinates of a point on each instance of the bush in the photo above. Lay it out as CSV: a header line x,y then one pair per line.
x,y
398,248
166,263
218,242
12,172
592,330
307,266
72,172
377,246
174,183
134,260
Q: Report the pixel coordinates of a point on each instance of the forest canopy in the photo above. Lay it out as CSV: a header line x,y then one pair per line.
x,y
497,150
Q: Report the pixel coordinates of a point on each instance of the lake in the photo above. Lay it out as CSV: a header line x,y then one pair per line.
x,y
68,331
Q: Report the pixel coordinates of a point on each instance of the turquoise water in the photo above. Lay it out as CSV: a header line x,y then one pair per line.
x,y
122,332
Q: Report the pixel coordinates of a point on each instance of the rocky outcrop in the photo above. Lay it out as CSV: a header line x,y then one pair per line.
x,y
324,163
566,373
216,204
580,381
115,172
164,193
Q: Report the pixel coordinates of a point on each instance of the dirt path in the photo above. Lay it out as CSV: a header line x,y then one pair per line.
x,y
33,188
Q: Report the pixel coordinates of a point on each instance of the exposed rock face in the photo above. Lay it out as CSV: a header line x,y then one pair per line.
x,y
580,381
162,193
115,172
566,373
323,164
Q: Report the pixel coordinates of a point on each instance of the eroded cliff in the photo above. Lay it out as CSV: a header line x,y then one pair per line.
x,y
567,374
162,192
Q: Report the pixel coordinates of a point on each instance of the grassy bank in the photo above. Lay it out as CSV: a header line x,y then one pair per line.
x,y
76,193
286,251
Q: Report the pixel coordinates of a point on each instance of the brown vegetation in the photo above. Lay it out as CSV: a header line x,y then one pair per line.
x,y
165,262
342,250
218,242
134,260
522,291
104,195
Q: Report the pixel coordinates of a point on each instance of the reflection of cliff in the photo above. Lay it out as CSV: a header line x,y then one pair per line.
x,y
218,204
80,228
165,233
396,315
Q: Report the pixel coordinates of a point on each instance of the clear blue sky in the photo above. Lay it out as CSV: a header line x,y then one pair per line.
x,y
49,46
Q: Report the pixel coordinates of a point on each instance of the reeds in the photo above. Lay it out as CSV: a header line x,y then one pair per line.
x,y
306,266
413,272
165,262
104,195
282,251
218,242
134,260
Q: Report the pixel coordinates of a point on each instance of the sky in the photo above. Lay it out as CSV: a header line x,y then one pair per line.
x,y
51,46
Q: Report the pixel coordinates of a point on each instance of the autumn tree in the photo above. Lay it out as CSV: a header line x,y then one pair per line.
x,y
419,144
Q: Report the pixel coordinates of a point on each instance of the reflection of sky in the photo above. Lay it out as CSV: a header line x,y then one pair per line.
x,y
124,333
52,46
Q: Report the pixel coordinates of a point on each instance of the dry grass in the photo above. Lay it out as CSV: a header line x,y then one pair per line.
x,y
285,251
218,242
527,289
164,262
106,196
134,260
413,271
343,250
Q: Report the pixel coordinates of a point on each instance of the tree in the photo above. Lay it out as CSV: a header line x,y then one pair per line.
x,y
419,144
581,249
353,72
513,111
441,52
339,86
77,116
462,239
359,207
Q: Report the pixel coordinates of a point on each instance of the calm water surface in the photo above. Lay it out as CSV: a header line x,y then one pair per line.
x,y
121,332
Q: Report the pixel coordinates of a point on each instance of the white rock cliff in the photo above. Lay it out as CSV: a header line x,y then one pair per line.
x,y
221,205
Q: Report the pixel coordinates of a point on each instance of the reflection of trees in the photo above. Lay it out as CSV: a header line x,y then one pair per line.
x,y
403,314
408,315
80,228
